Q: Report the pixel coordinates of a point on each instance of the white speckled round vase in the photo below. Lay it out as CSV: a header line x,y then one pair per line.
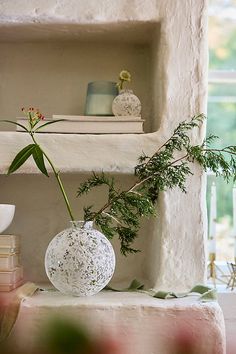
x,y
80,260
126,104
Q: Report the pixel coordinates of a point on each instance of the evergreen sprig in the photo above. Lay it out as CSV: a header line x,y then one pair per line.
x,y
166,169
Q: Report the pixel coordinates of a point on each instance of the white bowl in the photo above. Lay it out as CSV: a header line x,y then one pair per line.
x,y
7,212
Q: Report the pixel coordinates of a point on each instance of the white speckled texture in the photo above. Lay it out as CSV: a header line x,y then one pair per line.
x,y
80,261
126,104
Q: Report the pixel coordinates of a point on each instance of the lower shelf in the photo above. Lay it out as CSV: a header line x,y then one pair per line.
x,y
140,323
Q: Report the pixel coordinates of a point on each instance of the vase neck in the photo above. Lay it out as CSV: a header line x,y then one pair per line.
x,y
75,224
126,91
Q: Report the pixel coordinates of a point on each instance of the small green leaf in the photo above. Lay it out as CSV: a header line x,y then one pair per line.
x,y
163,294
15,123
210,295
51,122
201,289
135,285
20,158
39,160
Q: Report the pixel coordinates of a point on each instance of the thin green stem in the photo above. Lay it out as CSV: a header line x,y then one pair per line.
x,y
57,175
112,217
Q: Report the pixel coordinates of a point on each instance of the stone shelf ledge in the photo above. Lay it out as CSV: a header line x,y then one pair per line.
x,y
88,20
126,316
73,153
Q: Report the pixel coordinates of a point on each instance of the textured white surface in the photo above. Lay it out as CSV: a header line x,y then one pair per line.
x,y
80,153
81,12
125,316
37,20
174,254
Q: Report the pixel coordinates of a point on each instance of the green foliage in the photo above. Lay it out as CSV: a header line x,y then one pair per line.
x,y
34,117
24,154
123,214
162,171
39,159
215,161
95,181
166,169
20,158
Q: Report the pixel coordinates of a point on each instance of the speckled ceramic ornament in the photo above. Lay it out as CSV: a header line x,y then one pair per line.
x,y
80,261
126,104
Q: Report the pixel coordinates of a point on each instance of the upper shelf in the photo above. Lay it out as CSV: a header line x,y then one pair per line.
x,y
73,153
40,71
50,51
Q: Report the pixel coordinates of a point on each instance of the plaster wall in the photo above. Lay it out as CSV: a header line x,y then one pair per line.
x,y
54,75
175,256
41,213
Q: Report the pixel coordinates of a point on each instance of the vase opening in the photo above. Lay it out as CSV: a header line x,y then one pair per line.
x,y
80,224
126,91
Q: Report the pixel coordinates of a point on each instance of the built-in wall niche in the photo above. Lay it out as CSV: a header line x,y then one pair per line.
x,y
175,61
49,67
41,214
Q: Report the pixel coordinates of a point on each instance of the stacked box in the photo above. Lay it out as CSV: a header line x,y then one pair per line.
x,y
11,272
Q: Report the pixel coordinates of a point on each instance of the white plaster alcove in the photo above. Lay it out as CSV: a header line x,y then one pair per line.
x,y
50,50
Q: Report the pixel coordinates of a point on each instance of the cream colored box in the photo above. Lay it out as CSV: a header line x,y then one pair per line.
x,y
10,241
11,277
10,287
9,250
9,262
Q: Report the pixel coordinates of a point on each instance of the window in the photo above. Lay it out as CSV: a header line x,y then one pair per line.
x,y
222,112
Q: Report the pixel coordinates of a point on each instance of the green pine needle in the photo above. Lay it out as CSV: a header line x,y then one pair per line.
x,y
122,213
